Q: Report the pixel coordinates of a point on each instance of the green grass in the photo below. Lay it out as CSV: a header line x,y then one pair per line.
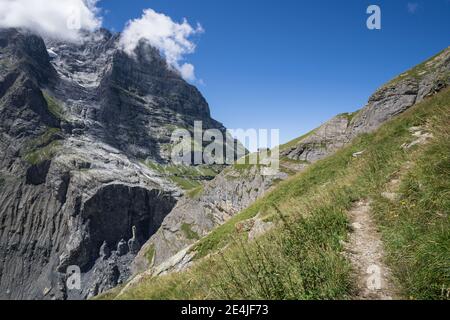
x,y
185,183
150,254
188,232
186,177
350,115
196,192
54,106
419,71
301,257
44,153
249,161
44,139
416,228
42,147
294,142
109,295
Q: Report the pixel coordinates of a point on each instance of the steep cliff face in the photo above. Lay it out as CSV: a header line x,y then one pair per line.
x,y
131,103
24,110
76,123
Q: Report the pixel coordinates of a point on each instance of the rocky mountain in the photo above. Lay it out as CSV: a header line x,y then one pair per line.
x,y
363,153
79,124
86,177
233,190
392,99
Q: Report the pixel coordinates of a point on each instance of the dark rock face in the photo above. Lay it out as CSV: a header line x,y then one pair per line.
x,y
24,67
108,219
111,214
130,103
30,51
140,105
73,129
37,174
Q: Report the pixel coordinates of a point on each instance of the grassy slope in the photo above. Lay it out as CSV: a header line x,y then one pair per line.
x,y
419,71
43,147
54,106
188,178
301,258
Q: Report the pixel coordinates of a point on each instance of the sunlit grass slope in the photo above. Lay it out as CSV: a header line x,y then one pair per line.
x,y
301,257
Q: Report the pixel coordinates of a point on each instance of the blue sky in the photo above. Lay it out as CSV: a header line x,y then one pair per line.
x,y
293,64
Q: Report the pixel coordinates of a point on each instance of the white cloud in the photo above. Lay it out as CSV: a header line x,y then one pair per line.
x,y
187,71
171,38
53,18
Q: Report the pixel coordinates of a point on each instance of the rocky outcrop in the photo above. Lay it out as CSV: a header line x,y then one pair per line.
x,y
389,101
321,141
